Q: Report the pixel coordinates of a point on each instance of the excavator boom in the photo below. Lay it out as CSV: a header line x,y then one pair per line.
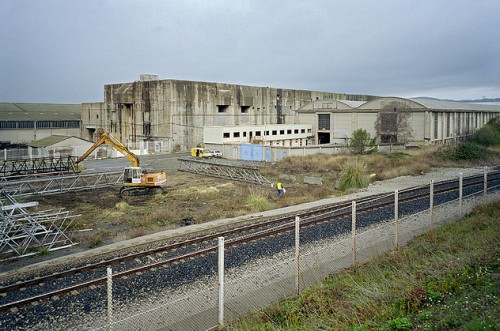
x,y
108,138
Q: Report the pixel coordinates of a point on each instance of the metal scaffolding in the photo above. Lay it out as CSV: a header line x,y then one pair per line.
x,y
24,233
61,183
246,174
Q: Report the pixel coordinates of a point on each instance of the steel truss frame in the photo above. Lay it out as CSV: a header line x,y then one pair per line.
x,y
245,174
62,184
38,165
24,234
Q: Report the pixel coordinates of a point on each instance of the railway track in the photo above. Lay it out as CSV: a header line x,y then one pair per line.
x,y
181,262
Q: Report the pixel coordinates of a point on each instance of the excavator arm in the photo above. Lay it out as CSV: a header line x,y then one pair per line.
x,y
107,138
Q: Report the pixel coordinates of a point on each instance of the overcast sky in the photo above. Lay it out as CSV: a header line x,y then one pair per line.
x,y
65,51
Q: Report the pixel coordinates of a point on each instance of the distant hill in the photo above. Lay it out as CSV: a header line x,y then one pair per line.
x,y
475,100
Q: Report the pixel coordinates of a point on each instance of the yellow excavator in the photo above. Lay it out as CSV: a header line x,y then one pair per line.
x,y
135,180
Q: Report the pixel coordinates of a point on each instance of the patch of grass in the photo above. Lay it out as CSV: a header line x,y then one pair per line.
x,y
98,238
443,280
353,175
257,201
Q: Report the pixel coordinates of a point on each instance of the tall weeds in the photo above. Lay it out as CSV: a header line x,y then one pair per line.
x,y
353,175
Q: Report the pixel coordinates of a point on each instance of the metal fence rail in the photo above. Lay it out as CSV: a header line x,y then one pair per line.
x,y
62,184
37,165
245,174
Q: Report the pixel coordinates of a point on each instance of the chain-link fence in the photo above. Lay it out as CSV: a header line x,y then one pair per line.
x,y
232,292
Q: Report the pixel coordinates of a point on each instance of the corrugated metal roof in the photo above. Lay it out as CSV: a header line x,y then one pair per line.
x,y
48,141
39,112
453,105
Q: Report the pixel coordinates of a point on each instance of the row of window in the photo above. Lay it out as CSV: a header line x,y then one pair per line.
x,y
464,119
39,124
237,134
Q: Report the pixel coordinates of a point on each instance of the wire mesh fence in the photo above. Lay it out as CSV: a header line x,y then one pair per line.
x,y
233,291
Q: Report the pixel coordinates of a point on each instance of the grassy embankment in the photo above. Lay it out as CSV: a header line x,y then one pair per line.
x,y
447,279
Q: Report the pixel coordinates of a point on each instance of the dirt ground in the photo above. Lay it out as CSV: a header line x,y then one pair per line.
x,y
189,198
104,217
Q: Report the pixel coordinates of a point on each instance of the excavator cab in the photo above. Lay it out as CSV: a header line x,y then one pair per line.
x,y
132,175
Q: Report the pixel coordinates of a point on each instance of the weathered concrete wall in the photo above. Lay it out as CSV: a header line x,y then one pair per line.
x,y
178,110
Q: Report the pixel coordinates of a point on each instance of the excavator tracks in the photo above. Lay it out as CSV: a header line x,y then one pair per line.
x,y
134,191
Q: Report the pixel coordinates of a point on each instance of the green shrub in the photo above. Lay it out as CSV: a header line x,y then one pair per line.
x,y
353,175
362,143
400,324
486,136
465,151
470,151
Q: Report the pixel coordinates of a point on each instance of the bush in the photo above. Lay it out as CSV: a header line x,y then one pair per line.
x,y
400,324
353,175
257,202
470,151
465,151
486,136
362,143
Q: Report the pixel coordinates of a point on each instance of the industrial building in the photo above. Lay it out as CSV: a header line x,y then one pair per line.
x,y
178,115
175,112
22,123
153,115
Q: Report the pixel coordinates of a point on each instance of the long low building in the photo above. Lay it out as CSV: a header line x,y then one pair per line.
x,y
395,120
175,114
22,123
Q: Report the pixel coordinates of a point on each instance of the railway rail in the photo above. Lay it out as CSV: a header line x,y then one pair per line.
x,y
27,290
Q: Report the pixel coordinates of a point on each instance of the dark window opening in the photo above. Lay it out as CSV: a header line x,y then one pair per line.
x,y
257,133
236,134
436,122
388,138
288,131
147,129
222,108
275,132
244,134
244,109
296,131
282,131
302,130
323,138
226,135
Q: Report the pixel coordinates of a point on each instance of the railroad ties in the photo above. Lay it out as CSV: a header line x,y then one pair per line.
x,y
24,233
222,170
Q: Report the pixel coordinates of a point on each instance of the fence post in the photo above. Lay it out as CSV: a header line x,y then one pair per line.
x,y
354,233
110,298
460,191
297,254
485,181
221,281
431,203
396,216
